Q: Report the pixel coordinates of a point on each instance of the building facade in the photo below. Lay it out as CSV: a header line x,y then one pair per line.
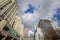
x,y
46,30
25,34
26,31
18,26
8,9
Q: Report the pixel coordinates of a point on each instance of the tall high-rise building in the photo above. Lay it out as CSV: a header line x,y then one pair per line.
x,y
46,30
8,9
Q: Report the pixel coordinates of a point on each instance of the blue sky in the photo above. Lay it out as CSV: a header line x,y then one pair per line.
x,y
30,9
56,17
33,10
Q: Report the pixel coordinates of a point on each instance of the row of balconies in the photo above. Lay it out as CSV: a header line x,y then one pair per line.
x,y
4,2
8,10
4,35
5,7
12,16
7,28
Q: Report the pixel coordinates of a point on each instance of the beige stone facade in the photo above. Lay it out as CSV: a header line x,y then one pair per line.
x,y
18,26
2,24
26,30
8,9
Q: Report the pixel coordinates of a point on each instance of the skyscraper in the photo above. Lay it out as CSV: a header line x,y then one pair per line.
x,y
46,30
8,9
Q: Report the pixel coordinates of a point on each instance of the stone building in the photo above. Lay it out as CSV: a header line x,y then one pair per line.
x,y
8,9
46,30
25,34
18,26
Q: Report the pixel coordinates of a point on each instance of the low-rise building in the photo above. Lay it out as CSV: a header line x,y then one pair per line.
x,y
18,26
26,31
25,34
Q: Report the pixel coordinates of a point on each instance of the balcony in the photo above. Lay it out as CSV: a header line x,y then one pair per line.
x,y
11,31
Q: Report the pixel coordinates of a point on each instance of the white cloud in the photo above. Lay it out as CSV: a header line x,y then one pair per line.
x,y
53,7
30,19
45,10
30,32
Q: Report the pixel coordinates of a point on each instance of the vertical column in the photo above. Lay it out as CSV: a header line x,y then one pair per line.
x,y
2,24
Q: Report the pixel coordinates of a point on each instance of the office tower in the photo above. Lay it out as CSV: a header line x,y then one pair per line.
x,y
8,9
46,30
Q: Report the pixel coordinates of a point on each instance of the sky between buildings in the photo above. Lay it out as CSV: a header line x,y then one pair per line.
x,y
33,10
